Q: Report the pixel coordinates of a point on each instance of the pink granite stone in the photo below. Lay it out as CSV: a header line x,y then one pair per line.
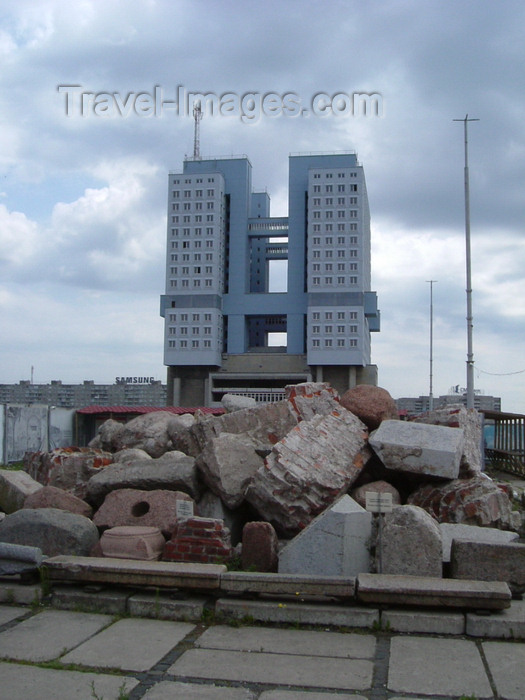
x,y
132,542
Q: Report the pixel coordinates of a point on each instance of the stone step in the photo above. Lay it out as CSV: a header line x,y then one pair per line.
x,y
250,583
432,592
132,572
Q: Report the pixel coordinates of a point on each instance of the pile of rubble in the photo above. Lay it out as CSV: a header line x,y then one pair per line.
x,y
279,486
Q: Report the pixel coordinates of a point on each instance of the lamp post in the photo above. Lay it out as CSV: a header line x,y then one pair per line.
x,y
470,354
430,395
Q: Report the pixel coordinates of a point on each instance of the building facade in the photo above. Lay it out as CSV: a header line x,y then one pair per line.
x,y
122,393
226,329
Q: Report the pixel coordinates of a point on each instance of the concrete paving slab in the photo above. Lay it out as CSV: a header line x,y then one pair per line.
x,y
162,607
504,624
423,621
278,641
48,634
11,613
278,669
130,645
301,613
33,683
110,602
22,595
306,695
432,666
507,665
167,690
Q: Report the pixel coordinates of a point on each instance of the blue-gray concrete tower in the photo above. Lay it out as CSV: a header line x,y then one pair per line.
x,y
220,313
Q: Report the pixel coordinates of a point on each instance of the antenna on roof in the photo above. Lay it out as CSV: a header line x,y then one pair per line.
x,y
197,116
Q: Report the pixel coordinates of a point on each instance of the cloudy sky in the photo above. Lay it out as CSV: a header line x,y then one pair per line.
x,y
83,197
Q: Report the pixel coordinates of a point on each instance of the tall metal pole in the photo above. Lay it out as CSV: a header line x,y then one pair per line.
x,y
470,354
430,395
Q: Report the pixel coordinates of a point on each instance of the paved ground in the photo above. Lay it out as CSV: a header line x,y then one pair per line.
x,y
63,655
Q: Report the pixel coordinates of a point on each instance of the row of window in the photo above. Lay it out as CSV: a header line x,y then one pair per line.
x,y
185,317
331,315
329,214
187,206
341,227
188,193
192,245
328,240
191,344
190,181
195,330
195,283
339,342
329,267
340,280
329,189
329,176
350,253
329,201
187,257
195,270
339,329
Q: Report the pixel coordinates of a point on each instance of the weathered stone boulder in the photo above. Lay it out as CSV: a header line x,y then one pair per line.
x,y
15,487
359,494
130,455
227,464
53,531
173,471
107,434
475,501
181,436
312,398
53,497
267,423
233,402
335,543
149,432
67,468
416,448
371,404
259,547
131,507
308,470
411,543
471,422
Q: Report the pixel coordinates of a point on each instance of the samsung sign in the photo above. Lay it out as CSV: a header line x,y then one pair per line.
x,y
134,380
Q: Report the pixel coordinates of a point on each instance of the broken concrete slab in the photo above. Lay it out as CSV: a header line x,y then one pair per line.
x,y
410,544
308,470
53,531
267,423
417,448
157,508
489,562
129,572
234,402
310,399
471,422
335,543
15,487
474,501
432,592
227,464
174,471
472,533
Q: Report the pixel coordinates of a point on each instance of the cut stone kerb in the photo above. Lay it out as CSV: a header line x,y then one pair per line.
x,y
432,450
